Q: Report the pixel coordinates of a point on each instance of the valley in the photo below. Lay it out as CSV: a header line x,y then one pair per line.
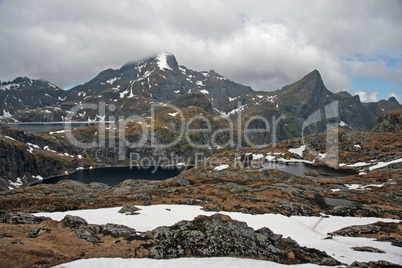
x,y
275,176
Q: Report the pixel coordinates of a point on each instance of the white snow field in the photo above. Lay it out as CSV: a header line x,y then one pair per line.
x,y
307,231
218,262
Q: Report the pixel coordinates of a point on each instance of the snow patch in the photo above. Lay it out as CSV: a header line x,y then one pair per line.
x,y
221,167
57,132
362,187
384,164
123,93
199,83
10,87
111,80
359,164
203,91
180,263
38,177
162,61
234,111
6,114
298,151
272,99
270,157
15,184
257,156
9,138
306,230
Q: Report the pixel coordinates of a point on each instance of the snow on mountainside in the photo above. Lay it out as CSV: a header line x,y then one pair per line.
x,y
25,93
162,61
160,79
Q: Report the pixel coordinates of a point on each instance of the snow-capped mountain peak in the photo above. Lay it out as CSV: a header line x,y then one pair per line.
x,y
162,60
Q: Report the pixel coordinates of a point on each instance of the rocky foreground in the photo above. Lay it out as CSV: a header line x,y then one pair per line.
x,y
221,183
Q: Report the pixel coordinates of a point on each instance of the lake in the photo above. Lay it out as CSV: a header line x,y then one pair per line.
x,y
115,175
38,127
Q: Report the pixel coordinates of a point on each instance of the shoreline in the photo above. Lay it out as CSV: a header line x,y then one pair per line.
x,y
178,167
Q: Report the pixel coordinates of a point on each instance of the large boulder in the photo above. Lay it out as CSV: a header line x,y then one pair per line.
x,y
219,235
20,218
129,209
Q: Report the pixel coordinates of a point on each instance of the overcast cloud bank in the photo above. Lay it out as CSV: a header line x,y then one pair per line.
x,y
264,44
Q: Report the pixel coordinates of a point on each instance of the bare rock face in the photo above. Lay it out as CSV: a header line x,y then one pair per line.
x,y
312,173
117,230
368,249
20,218
129,209
73,222
37,232
357,229
389,122
89,232
373,264
219,235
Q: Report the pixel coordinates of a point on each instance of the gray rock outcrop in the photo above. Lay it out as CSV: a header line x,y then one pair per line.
x,y
219,235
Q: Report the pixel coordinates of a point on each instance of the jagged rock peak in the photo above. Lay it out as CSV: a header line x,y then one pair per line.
x,y
21,82
314,75
311,83
393,99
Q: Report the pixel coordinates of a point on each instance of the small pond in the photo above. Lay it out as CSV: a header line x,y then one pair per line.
x,y
337,201
299,168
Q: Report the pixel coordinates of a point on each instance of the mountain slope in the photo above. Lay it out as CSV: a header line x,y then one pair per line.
x,y
162,79
25,93
134,87
297,102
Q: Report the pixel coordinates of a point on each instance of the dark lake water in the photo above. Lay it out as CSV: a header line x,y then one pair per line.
x,y
38,127
115,175
298,169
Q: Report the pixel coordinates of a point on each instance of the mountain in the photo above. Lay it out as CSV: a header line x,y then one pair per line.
x,y
382,106
134,87
305,96
309,95
162,79
25,93
214,112
300,100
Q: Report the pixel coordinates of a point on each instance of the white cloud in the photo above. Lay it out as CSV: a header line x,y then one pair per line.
x,y
366,96
398,97
265,44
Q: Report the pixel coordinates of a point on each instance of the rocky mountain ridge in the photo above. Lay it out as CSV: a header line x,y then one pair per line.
x,y
161,79
25,93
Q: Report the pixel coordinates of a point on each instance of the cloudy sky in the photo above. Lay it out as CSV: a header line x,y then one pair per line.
x,y
356,45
